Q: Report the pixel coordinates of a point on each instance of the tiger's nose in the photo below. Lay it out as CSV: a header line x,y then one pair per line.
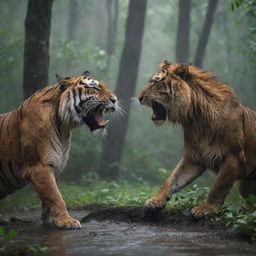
x,y
113,99
141,99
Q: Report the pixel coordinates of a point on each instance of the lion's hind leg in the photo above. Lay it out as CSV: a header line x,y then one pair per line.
x,y
246,188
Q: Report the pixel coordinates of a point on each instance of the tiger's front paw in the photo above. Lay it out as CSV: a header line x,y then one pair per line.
x,y
199,212
66,223
156,202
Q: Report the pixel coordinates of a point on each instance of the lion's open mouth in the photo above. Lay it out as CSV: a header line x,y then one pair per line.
x,y
159,113
95,120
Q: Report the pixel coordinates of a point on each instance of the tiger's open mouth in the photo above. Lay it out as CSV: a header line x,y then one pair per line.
x,y
95,120
159,113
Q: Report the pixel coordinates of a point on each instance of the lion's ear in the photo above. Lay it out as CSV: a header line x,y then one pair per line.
x,y
182,71
62,82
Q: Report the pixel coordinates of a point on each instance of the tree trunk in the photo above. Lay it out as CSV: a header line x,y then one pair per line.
x,y
182,42
36,52
205,33
72,19
125,87
112,10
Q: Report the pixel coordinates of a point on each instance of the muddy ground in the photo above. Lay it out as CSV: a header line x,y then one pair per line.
x,y
127,231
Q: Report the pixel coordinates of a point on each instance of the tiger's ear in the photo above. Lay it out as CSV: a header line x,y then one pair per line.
x,y
86,73
164,65
182,71
64,84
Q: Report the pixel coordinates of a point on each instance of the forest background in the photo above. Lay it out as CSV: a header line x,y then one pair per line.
x,y
122,42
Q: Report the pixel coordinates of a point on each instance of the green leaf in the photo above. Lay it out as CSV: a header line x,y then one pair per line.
x,y
11,234
43,249
1,231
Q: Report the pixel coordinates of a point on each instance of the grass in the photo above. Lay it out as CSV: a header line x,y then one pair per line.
x,y
90,192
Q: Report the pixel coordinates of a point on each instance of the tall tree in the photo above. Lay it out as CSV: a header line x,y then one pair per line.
x,y
36,52
125,87
112,10
205,33
182,42
72,18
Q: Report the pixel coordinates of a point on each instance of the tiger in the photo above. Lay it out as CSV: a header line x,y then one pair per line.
x,y
219,133
35,139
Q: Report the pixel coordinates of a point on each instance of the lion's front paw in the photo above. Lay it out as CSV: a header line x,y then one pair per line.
x,y
201,211
156,202
66,223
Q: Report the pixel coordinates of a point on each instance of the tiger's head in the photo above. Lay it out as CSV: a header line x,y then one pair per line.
x,y
85,100
168,93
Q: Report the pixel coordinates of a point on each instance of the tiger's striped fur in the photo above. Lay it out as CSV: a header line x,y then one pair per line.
x,y
35,139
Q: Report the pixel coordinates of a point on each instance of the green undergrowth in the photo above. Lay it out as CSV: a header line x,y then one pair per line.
x,y
233,214
95,191
91,191
24,249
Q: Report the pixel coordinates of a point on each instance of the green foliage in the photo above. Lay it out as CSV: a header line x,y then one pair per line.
x,y
189,197
233,215
26,249
95,191
236,4
5,237
239,217
34,249
9,235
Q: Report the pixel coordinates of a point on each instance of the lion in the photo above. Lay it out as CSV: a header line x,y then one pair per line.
x,y
219,133
35,139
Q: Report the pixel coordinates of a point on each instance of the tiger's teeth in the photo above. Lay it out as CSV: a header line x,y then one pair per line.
x,y
104,123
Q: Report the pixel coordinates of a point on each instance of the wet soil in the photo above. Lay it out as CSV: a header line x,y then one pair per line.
x,y
128,231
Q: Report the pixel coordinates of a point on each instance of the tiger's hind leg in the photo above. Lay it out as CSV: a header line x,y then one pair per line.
x,y
246,188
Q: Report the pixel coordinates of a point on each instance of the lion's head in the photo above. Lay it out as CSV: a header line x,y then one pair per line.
x,y
85,100
168,93
179,92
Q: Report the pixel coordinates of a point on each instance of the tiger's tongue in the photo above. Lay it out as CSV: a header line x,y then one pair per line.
x,y
99,119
